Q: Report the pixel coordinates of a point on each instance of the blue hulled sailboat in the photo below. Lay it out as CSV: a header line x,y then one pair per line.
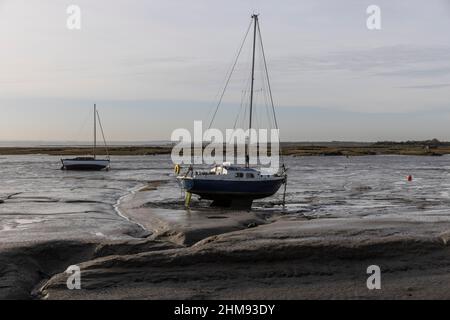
x,y
232,185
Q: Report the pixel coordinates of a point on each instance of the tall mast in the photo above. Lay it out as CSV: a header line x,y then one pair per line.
x,y
255,23
95,129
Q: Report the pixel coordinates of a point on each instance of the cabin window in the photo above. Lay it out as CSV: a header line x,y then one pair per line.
x,y
250,175
239,175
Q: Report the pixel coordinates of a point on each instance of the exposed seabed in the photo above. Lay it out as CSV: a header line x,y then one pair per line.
x,y
211,253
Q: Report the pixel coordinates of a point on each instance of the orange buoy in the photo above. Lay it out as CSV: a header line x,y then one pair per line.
x,y
409,178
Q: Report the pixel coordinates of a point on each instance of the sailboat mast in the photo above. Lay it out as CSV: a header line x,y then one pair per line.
x,y
255,23
95,129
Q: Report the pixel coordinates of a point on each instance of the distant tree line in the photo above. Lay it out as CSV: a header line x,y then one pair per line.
x,y
426,143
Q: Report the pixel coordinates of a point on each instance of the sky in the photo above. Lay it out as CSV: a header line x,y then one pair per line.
x,y
157,65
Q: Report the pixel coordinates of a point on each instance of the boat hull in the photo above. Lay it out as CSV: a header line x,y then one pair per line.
x,y
85,165
223,190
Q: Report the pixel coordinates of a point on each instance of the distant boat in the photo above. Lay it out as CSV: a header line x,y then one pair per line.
x,y
232,185
89,162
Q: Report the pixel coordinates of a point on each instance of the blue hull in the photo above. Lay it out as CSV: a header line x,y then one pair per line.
x,y
84,164
228,190
84,167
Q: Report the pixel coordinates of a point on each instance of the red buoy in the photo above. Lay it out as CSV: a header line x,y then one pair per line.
x,y
409,178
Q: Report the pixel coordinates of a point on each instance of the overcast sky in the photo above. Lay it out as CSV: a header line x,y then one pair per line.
x,y
153,66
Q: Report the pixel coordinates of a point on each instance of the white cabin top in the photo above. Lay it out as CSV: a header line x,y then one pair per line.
x,y
228,171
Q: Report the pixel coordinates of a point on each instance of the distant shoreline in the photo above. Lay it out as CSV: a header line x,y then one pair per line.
x,y
78,151
414,148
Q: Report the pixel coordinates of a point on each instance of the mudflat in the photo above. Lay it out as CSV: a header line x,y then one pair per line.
x,y
128,231
196,255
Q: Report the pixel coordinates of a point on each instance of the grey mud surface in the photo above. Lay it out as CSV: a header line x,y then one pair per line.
x,y
206,253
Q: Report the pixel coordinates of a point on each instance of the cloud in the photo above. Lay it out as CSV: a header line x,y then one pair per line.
x,y
397,60
427,86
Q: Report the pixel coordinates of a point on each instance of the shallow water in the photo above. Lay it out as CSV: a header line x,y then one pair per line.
x,y
41,202
369,185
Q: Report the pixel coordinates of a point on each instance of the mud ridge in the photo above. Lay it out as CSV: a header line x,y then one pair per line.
x,y
24,266
257,267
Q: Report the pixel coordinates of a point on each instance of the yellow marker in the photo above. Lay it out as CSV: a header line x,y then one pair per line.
x,y
187,199
177,169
